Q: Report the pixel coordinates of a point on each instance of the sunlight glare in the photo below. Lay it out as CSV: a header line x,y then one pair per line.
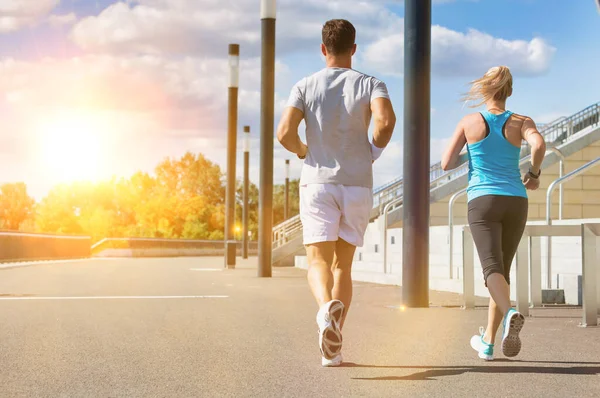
x,y
71,145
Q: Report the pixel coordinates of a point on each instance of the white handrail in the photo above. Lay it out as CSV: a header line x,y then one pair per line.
x,y
564,125
451,227
392,191
561,180
385,228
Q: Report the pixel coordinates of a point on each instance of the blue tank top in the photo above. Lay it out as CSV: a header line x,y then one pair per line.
x,y
494,162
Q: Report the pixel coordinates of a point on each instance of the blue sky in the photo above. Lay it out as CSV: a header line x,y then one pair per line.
x,y
133,82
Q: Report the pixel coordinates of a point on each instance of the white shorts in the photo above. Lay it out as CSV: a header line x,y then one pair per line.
x,y
330,212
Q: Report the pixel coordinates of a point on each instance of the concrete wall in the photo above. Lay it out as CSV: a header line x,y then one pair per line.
x,y
581,195
368,265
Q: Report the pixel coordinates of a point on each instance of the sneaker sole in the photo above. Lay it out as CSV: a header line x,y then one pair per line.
x,y
479,353
330,339
511,344
486,357
332,363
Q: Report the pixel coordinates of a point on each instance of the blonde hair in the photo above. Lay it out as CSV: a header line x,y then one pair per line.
x,y
495,84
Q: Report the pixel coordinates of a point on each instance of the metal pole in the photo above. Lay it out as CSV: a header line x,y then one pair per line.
x,y
286,206
561,173
246,210
234,70
267,109
417,79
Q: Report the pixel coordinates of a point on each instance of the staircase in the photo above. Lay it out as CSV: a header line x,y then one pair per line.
x,y
569,134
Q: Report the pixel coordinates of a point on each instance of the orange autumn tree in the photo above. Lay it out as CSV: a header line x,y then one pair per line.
x,y
16,206
182,199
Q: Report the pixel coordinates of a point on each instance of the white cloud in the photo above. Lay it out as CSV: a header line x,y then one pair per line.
x,y
17,14
390,165
207,26
161,107
62,20
463,54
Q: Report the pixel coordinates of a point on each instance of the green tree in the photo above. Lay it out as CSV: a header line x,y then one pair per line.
x,y
279,201
252,206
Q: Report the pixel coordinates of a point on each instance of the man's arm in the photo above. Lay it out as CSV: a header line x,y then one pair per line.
x,y
530,134
287,131
451,157
384,121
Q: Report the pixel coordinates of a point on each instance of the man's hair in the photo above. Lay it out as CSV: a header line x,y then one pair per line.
x,y
338,36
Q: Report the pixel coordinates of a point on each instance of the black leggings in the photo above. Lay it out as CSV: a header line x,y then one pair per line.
x,y
497,224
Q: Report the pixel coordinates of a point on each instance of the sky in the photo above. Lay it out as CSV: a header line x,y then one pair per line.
x,y
94,89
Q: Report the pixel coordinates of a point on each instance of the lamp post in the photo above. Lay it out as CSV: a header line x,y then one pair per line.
x,y
415,236
286,208
268,12
234,77
246,211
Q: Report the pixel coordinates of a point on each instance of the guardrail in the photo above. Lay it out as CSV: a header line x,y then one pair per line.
x,y
385,230
19,246
554,133
560,181
286,231
529,252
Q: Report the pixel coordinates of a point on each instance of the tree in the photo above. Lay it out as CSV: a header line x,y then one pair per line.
x,y
279,201
58,212
184,199
252,206
16,205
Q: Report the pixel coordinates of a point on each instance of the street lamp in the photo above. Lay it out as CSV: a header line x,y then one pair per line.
x,y
286,208
268,12
246,211
234,77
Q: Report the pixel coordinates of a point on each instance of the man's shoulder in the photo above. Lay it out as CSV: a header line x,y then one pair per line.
x,y
366,76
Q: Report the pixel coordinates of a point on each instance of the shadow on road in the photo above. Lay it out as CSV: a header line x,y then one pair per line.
x,y
432,372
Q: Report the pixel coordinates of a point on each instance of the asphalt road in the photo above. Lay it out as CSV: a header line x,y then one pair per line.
x,y
187,328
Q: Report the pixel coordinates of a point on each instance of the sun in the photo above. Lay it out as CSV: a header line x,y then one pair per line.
x,y
71,146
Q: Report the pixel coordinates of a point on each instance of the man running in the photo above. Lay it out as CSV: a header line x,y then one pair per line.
x,y
337,104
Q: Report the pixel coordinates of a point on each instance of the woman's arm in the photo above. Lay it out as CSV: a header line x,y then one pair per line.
x,y
451,157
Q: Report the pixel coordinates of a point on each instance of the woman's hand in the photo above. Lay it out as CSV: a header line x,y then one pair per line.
x,y
530,182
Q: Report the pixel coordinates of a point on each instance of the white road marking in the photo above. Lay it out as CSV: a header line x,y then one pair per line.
x,y
108,297
18,264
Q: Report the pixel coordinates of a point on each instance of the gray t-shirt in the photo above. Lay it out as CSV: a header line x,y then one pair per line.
x,y
336,103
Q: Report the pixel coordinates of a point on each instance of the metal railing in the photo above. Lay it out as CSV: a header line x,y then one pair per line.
x,y
286,231
560,181
554,133
385,231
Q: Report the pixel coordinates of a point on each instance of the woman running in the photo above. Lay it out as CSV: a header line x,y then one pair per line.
x,y
497,196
